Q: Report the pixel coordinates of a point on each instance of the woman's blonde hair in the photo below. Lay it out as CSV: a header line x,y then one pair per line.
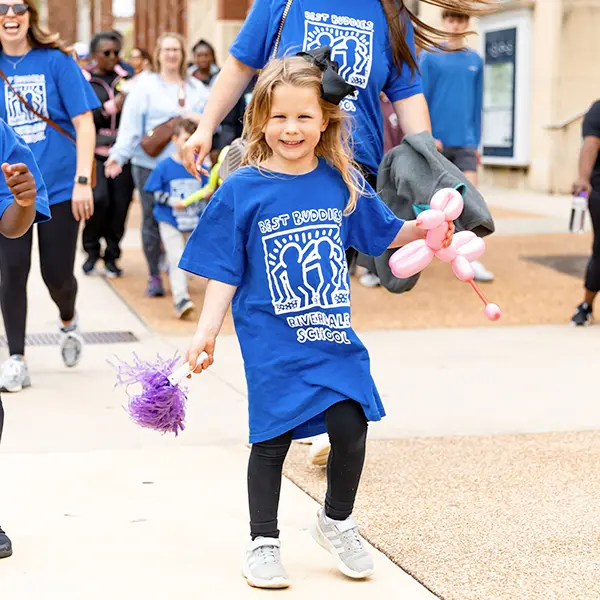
x,y
334,145
41,38
158,48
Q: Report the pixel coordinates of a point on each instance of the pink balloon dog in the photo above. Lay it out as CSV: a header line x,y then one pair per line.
x,y
446,205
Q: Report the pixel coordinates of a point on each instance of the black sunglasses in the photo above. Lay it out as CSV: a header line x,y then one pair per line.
x,y
18,9
107,53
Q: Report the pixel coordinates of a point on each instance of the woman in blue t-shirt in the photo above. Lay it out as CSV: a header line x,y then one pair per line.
x,y
271,242
40,69
372,40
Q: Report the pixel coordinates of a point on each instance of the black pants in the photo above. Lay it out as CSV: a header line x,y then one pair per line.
x,y
347,428
111,204
150,233
57,244
592,276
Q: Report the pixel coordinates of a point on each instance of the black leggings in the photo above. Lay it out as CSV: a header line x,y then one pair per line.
x,y
57,243
347,428
111,204
592,276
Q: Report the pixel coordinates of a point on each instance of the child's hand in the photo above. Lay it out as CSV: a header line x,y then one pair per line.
x,y
21,183
201,343
449,234
180,205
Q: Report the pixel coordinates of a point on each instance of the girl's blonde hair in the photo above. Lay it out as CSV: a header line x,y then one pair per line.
x,y
184,58
334,145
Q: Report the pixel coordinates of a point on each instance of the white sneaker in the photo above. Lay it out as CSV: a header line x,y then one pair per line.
x,y
319,450
369,280
71,343
263,567
341,538
481,273
15,375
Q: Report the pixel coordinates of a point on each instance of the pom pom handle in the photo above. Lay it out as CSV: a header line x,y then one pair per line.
x,y
184,370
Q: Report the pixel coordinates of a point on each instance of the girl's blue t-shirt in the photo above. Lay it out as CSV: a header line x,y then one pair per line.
x,y
14,150
54,85
358,33
281,240
170,182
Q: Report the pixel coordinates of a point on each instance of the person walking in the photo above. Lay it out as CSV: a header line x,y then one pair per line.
x,y
206,70
176,215
155,100
588,184
111,196
46,100
23,201
453,87
141,60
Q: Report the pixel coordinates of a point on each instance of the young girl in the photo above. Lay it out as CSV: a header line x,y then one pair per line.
x,y
273,240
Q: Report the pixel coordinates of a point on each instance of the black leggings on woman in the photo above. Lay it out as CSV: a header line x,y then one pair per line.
x,y
592,276
347,428
57,243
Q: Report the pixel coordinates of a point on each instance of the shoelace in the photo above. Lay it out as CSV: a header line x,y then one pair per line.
x,y
352,540
267,554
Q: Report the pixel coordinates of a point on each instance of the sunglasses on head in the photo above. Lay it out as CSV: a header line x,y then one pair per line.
x,y
18,9
108,53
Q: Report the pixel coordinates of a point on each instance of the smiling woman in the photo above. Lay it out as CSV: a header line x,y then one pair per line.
x,y
45,99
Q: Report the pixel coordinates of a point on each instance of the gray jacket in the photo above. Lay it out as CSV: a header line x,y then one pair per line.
x,y
409,176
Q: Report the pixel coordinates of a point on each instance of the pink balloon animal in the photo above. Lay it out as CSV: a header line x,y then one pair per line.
x,y
446,205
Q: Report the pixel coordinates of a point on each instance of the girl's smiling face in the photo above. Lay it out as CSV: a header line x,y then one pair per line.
x,y
294,128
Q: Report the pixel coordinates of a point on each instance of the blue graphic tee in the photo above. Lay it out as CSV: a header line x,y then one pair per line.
x,y
171,184
283,245
14,150
357,32
54,85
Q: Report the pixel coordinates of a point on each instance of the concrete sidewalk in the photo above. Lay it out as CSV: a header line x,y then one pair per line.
x,y
98,508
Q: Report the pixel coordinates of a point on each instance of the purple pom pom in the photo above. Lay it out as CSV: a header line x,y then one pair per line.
x,y
160,406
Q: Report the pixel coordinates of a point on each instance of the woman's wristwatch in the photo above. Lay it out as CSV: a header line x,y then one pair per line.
x,y
82,179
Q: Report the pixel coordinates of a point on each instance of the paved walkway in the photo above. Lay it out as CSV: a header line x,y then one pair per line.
x,y
98,508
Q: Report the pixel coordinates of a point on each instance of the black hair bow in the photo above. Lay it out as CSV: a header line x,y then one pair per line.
x,y
333,87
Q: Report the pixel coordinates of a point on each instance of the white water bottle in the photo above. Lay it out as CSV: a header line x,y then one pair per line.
x,y
578,210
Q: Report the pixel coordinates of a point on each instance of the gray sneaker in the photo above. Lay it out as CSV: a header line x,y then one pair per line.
x,y
71,343
15,375
346,546
262,567
183,308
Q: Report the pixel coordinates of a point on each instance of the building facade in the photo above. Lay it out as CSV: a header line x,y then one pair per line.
x,y
541,77
541,71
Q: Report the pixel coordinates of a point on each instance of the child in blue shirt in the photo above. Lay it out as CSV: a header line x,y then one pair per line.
x,y
172,186
272,243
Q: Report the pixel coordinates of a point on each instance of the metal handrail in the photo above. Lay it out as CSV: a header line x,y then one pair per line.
x,y
566,122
